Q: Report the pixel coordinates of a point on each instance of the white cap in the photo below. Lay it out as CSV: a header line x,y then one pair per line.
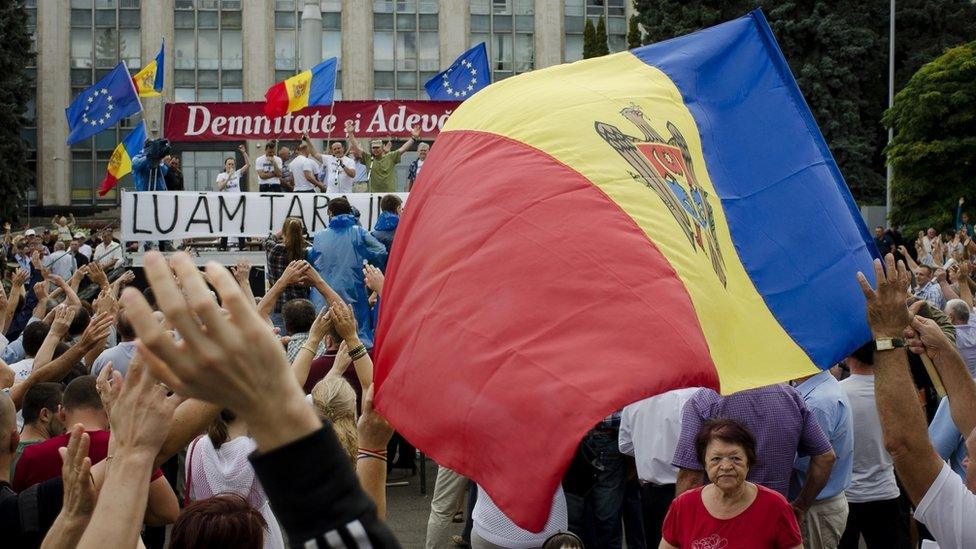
x,y
80,235
30,232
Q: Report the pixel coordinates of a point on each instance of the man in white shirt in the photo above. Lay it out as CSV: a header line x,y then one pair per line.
x,y
269,168
303,169
943,502
109,252
61,263
83,247
120,355
341,170
649,431
874,509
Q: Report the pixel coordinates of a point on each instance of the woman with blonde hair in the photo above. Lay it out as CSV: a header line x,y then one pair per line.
x,y
281,249
335,401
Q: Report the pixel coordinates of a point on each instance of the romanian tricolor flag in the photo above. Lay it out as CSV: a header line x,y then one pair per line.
x,y
591,234
315,86
149,81
120,164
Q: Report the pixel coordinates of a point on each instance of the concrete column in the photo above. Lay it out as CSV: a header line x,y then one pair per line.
x,y
549,33
258,33
157,23
453,26
357,49
53,95
311,34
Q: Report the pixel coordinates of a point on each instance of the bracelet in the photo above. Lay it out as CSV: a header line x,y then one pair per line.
x,y
306,348
365,453
358,352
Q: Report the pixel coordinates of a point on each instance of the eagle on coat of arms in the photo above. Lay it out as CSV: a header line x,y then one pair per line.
x,y
666,168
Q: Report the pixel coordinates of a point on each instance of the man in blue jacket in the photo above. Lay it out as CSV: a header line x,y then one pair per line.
x,y
338,253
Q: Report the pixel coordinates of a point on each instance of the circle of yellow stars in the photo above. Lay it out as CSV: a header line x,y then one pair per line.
x,y
468,66
108,109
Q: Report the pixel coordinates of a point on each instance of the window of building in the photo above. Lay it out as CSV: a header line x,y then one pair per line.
x,y
576,14
103,32
406,47
288,44
507,27
208,51
29,130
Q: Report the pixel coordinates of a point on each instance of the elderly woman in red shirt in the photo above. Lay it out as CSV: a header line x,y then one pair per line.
x,y
729,513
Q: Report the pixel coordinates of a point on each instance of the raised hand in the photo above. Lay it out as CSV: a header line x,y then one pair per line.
x,y
97,274
106,303
141,411
924,336
63,315
98,330
40,290
19,279
242,270
79,491
345,323
415,132
127,277
295,270
888,315
373,278
321,326
108,384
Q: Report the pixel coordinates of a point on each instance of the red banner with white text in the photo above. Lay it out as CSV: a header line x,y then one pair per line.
x,y
246,120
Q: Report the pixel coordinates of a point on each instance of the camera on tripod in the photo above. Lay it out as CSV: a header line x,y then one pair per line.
x,y
156,149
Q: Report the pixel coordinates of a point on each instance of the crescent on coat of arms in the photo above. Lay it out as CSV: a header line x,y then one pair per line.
x,y
665,167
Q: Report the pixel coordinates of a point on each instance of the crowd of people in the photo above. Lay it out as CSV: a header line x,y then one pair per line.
x,y
194,414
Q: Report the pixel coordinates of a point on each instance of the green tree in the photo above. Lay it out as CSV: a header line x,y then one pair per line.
x,y
633,34
589,40
16,89
934,150
838,53
602,46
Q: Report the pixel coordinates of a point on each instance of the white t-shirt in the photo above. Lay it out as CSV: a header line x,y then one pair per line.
x,y
233,180
649,431
298,167
947,509
22,370
266,165
336,179
495,527
104,254
85,250
873,478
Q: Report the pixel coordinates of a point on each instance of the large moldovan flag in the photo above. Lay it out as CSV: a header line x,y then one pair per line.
x,y
591,234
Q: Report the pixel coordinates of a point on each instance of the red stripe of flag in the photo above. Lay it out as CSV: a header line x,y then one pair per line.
x,y
276,101
508,262
107,184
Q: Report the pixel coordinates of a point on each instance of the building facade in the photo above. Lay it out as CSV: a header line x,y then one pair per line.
x,y
233,50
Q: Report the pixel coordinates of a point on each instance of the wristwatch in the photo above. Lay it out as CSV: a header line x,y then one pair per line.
x,y
888,343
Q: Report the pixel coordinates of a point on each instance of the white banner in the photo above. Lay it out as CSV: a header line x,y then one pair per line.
x,y
164,215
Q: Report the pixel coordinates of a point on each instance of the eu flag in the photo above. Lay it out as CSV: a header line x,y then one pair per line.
x,y
99,107
468,74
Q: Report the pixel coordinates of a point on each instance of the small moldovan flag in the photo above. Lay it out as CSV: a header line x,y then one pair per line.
x,y
149,81
120,164
307,88
99,107
468,74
